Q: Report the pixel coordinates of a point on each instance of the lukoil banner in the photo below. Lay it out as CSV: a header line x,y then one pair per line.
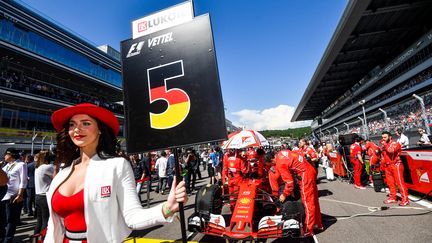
x,y
178,14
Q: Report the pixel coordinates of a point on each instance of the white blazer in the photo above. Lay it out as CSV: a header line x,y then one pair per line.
x,y
111,205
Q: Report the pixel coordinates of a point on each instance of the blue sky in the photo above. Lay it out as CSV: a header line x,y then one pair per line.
x,y
267,51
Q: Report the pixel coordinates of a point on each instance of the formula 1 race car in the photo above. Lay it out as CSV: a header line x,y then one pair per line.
x,y
256,216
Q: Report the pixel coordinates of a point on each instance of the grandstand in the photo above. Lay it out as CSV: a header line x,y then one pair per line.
x,y
379,57
43,67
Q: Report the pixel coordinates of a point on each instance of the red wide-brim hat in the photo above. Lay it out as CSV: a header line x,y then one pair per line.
x,y
60,117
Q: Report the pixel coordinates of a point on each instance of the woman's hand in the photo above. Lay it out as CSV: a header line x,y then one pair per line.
x,y
177,195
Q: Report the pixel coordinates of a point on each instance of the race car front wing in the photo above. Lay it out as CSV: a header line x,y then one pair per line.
x,y
268,227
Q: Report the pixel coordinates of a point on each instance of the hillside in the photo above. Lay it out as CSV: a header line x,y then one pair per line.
x,y
291,132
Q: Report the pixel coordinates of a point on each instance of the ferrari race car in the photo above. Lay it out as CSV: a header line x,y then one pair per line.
x,y
256,216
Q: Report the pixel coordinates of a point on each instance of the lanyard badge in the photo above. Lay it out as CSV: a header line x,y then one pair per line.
x,y
9,170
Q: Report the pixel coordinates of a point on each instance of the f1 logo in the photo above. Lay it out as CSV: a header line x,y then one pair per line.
x,y
135,49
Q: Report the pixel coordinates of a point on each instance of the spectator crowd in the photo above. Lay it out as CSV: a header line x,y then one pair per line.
x,y
19,82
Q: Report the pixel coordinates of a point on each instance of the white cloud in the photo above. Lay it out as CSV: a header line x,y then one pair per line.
x,y
274,118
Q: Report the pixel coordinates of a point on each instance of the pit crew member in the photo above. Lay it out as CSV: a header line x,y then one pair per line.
x,y
394,169
288,162
374,152
308,153
234,168
357,162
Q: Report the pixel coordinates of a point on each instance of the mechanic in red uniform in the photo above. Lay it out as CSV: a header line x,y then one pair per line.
x,y
357,162
251,154
234,168
374,152
255,159
308,153
275,179
394,169
288,162
228,154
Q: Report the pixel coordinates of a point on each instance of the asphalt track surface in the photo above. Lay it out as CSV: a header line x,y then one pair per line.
x,y
349,215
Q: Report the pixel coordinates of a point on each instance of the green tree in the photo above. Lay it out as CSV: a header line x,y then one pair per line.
x,y
295,133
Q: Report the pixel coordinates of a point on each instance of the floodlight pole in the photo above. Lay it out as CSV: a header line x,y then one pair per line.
x,y
337,132
361,119
347,125
43,141
385,119
362,102
32,141
51,145
423,113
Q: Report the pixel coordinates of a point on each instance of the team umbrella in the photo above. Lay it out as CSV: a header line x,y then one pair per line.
x,y
244,139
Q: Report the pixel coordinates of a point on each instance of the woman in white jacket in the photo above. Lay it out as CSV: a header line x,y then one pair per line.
x,y
93,198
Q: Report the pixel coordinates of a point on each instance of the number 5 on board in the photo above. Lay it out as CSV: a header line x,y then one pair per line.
x,y
177,99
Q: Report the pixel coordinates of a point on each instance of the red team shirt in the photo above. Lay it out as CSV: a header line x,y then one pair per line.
x,y
308,151
233,167
355,150
372,149
391,154
251,154
287,162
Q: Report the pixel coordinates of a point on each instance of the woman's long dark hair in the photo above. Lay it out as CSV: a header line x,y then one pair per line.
x,y
67,151
42,158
